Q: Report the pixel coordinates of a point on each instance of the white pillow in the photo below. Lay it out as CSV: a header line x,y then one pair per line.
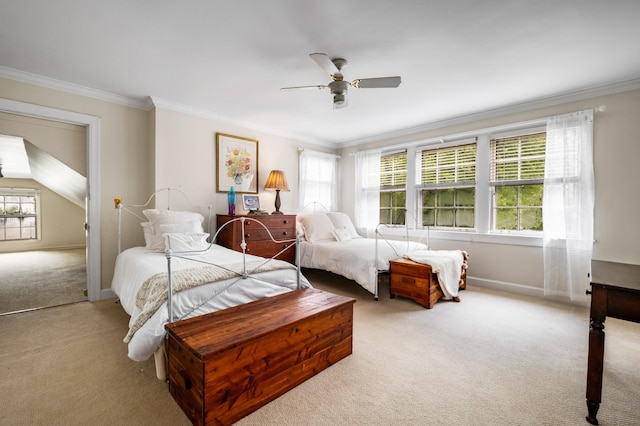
x,y
317,227
192,222
341,234
342,221
157,217
147,229
187,241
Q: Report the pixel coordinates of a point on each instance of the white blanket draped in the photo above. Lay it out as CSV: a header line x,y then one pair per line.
x,y
446,264
154,291
136,265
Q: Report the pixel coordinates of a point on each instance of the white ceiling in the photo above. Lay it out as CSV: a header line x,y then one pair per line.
x,y
228,59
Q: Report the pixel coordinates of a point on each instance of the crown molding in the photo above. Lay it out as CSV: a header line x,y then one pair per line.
x,y
562,98
150,102
154,101
72,88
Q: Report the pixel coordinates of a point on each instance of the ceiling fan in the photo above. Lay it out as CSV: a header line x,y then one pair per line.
x,y
338,86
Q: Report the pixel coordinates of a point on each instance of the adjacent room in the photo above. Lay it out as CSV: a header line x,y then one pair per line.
x,y
298,212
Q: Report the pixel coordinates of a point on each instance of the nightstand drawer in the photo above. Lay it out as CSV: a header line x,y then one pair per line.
x,y
259,242
262,234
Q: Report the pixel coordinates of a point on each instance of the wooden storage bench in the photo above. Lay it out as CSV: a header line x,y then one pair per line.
x,y
418,282
227,364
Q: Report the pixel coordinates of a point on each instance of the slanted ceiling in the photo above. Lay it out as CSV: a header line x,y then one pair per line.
x,y
23,160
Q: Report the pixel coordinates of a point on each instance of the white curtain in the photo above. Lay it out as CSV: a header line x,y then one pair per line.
x,y
367,194
318,183
567,205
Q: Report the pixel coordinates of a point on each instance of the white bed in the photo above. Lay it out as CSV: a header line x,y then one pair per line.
x,y
205,277
135,265
331,243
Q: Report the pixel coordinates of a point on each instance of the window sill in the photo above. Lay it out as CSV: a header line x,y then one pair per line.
x,y
464,236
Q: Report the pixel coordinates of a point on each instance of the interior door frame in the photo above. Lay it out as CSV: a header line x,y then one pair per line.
x,y
92,204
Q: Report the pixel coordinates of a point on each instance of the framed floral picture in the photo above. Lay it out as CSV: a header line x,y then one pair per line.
x,y
237,161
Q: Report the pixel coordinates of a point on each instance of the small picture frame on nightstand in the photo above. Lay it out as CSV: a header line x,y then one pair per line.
x,y
250,202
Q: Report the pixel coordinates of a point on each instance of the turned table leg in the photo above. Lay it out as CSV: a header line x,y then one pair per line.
x,y
595,369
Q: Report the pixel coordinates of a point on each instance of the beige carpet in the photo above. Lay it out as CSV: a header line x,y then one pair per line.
x,y
36,279
492,359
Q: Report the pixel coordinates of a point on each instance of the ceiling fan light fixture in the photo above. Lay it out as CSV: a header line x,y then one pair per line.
x,y
339,99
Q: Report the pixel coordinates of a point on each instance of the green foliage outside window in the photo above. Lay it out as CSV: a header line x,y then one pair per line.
x,y
519,207
393,182
518,164
392,207
448,207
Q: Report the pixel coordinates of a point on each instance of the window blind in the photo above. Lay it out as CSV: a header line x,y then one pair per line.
x,y
446,166
518,159
393,170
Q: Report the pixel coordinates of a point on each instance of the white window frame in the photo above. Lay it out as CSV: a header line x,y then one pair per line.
x,y
516,182
318,182
483,209
394,188
24,192
419,187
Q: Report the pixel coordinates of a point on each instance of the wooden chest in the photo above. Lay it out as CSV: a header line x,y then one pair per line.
x,y
259,243
227,364
417,281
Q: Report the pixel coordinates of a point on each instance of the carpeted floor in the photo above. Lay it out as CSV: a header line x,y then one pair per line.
x,y
492,359
36,279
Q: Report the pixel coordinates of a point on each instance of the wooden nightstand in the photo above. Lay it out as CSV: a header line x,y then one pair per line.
x,y
282,227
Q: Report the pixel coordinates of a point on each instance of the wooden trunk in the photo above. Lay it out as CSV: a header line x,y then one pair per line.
x,y
227,364
418,282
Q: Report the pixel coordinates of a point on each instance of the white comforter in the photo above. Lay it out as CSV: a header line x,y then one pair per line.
x,y
135,265
447,265
355,259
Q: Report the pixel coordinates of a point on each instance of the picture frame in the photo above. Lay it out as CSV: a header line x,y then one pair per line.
x,y
250,202
237,164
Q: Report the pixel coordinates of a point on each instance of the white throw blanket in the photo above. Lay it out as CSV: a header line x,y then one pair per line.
x,y
447,264
153,292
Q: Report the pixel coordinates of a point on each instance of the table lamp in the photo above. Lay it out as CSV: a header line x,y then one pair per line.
x,y
278,181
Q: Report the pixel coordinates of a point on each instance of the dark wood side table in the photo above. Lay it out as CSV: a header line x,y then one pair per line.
x,y
615,292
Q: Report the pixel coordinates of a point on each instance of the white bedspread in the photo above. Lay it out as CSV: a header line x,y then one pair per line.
x,y
135,265
355,259
446,264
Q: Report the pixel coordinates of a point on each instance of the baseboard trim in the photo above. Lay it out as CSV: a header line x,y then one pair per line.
x,y
107,293
523,290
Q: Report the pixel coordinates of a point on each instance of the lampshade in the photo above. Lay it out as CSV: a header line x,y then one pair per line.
x,y
277,180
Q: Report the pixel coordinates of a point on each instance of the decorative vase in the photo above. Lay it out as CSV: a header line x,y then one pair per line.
x,y
231,200
238,179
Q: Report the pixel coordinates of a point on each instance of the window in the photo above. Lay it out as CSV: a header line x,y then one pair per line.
x,y
318,182
488,182
18,214
517,176
393,187
445,182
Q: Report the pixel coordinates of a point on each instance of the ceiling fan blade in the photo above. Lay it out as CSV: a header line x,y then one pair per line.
x,y
375,83
325,63
319,87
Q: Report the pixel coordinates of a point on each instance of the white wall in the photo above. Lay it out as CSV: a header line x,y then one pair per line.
x,y
185,157
143,150
62,222
124,158
616,151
